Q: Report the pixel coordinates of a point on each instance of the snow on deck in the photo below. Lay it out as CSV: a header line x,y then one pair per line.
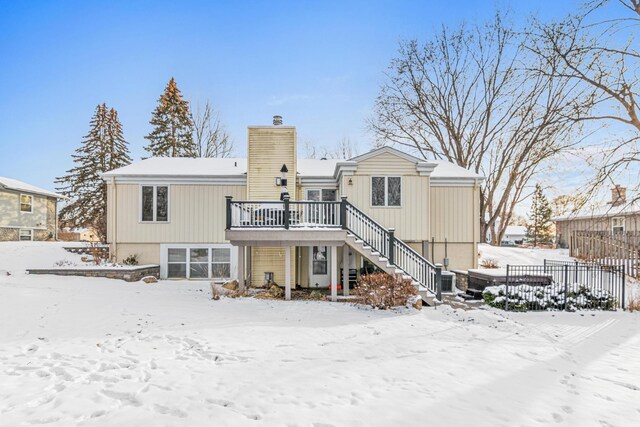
x,y
86,351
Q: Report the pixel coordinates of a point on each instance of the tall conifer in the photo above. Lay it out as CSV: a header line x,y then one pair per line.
x,y
102,149
539,226
172,126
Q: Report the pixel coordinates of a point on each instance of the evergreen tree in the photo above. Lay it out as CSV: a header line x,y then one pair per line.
x,y
102,149
172,126
539,226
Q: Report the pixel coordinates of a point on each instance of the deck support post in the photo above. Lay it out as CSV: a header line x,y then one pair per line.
x,y
334,273
241,275
287,273
345,270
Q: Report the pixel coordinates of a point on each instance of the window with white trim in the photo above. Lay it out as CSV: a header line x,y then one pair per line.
x,y
199,263
25,234
617,225
26,203
386,191
154,203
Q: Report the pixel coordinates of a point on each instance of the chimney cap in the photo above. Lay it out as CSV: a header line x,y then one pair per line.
x,y
277,120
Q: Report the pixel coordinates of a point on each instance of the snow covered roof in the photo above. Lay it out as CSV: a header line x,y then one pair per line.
x,y
605,211
445,169
182,166
516,230
237,167
14,184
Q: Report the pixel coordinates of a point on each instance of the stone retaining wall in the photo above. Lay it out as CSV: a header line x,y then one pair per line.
x,y
128,274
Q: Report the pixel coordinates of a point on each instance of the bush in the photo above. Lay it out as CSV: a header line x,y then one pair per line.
x,y
316,295
634,303
552,297
489,263
383,291
131,260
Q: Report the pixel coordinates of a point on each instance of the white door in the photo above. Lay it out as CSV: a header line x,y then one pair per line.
x,y
319,256
319,262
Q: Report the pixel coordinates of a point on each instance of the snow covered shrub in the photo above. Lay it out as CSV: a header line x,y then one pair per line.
x,y
383,291
131,260
634,303
552,297
489,263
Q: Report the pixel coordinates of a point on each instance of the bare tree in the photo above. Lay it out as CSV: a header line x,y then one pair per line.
x,y
344,149
209,134
468,96
602,55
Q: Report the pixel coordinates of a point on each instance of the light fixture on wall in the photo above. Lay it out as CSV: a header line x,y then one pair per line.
x,y
283,182
350,181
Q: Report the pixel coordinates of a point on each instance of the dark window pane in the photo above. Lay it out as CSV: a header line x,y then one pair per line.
x,y
221,255
177,271
328,195
177,255
147,203
162,203
319,267
377,191
199,271
395,191
200,255
220,270
313,195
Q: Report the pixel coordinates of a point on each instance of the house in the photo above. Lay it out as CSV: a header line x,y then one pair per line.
x,y
514,234
79,234
615,217
27,212
275,218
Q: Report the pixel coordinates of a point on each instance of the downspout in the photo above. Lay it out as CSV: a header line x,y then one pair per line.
x,y
114,234
55,228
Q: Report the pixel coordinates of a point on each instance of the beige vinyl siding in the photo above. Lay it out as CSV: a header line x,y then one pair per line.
x,y
148,253
410,220
453,215
265,259
462,256
11,216
197,214
269,148
386,164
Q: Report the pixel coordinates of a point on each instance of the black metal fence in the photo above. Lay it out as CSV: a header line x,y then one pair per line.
x,y
559,285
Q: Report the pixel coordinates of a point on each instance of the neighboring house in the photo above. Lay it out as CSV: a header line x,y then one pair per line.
x,y
224,218
515,234
27,212
617,216
77,234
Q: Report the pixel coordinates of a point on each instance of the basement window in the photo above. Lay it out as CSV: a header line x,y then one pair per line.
x,y
154,203
386,191
198,262
26,234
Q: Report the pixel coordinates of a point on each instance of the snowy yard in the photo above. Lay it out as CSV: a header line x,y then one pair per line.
x,y
77,351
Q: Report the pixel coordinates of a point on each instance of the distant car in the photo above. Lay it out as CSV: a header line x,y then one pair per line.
x,y
507,243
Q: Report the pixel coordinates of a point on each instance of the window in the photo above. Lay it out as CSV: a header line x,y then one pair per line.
x,y
26,203
220,262
319,260
26,234
386,191
155,203
617,225
198,263
177,263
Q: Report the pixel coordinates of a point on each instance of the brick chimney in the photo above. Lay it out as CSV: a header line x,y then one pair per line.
x,y
618,195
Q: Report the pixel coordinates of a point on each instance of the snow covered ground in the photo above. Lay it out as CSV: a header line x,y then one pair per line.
x,y
521,256
100,352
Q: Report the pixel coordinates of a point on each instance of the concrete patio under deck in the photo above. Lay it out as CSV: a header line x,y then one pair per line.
x,y
291,237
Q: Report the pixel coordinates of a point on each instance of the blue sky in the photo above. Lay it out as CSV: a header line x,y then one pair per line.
x,y
318,64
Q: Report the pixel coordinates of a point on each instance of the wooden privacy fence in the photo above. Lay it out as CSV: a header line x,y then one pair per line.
x,y
607,248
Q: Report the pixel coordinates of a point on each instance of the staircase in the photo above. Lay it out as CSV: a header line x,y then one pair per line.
x,y
363,234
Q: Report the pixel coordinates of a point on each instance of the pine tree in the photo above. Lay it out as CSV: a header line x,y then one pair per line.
x,y
102,149
172,126
539,226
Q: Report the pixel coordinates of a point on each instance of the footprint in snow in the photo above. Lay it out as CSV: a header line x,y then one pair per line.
x,y
165,410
